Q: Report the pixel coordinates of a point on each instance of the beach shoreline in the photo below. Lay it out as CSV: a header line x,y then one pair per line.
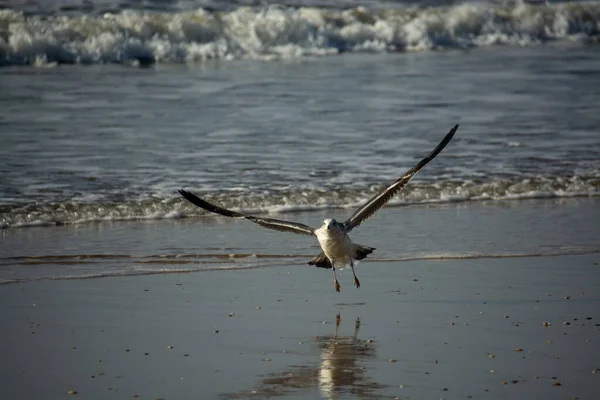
x,y
476,328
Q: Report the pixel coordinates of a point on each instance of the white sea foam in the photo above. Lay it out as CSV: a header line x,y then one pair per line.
x,y
284,201
278,32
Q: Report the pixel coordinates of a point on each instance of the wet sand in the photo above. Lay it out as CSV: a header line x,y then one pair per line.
x,y
489,328
426,329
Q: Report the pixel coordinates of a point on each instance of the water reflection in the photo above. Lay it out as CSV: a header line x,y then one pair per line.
x,y
340,371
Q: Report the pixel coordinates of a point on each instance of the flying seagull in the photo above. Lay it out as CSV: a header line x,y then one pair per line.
x,y
337,248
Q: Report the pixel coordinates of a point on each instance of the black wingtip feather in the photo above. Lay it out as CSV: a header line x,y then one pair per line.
x,y
269,223
197,201
443,143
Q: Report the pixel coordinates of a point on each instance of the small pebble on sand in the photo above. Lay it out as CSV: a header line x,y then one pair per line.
x,y
556,383
518,349
72,392
169,347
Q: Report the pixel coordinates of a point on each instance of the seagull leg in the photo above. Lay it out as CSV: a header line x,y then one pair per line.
x,y
356,328
336,284
356,282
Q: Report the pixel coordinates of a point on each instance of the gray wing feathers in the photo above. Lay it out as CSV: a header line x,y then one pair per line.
x,y
269,223
385,194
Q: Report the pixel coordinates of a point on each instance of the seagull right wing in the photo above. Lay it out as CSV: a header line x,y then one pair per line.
x,y
269,223
385,194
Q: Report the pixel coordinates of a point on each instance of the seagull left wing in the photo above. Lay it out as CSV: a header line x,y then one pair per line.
x,y
385,194
269,223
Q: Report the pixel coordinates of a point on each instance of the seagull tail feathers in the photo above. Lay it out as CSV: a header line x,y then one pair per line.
x,y
322,261
363,251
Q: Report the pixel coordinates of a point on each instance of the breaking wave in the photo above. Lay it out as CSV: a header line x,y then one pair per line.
x,y
281,201
142,37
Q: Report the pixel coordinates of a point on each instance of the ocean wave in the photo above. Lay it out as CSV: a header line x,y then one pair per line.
x,y
285,201
139,37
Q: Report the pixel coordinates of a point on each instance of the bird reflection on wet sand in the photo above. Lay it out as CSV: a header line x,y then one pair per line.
x,y
339,372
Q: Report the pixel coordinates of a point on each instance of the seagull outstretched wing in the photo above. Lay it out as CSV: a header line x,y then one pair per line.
x,y
269,223
385,194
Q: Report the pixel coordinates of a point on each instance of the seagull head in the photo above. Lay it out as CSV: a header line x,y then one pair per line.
x,y
330,223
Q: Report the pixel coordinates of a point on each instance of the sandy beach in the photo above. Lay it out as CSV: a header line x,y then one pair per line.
x,y
490,327
427,329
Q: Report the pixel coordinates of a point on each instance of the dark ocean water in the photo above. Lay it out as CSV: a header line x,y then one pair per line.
x,y
108,142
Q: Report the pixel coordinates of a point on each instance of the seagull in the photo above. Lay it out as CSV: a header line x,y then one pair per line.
x,y
337,248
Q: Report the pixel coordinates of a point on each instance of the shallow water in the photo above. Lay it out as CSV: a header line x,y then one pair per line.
x,y
435,233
